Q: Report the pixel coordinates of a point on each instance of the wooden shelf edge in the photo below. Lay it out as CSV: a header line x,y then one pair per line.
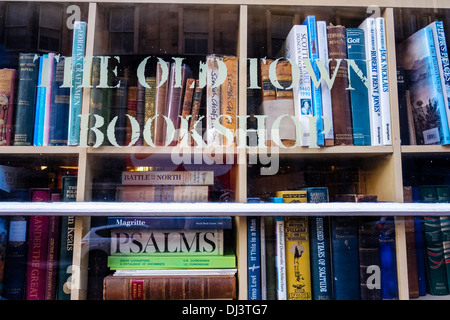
x,y
223,209
426,149
33,150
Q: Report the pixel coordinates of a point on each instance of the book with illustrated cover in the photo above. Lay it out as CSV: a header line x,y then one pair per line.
x,y
418,56
7,103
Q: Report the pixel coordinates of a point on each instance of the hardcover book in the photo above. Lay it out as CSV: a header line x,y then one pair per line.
x,y
254,258
196,103
65,257
173,287
52,258
293,195
411,256
3,245
229,95
359,94
162,193
131,111
160,103
388,260
40,104
131,241
26,99
213,99
168,177
171,222
340,96
149,102
7,102
280,259
418,56
118,109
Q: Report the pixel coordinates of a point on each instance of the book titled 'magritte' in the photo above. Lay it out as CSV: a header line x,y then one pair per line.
x,y
171,222
168,177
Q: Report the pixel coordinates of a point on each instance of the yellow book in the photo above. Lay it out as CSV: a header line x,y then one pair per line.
x,y
229,95
298,268
293,195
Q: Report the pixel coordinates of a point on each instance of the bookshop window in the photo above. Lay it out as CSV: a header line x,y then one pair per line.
x,y
196,31
16,26
121,30
280,27
50,28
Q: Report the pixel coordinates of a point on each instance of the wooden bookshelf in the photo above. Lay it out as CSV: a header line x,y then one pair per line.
x,y
384,164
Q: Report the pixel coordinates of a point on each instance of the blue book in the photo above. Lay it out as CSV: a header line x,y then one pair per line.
x,y
359,94
280,257
388,262
40,108
171,222
3,243
59,112
78,48
253,258
344,258
420,253
418,56
310,22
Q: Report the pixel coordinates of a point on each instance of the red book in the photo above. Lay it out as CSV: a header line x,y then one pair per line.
x,y
51,272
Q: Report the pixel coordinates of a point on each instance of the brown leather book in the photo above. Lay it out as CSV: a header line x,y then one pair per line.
x,y
174,287
340,97
411,258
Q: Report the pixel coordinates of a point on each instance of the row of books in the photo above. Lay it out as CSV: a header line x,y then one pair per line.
x,y
424,87
341,80
170,258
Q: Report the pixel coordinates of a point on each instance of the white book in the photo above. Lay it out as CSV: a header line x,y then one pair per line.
x,y
213,100
296,48
175,272
168,177
280,259
262,226
368,26
322,43
383,76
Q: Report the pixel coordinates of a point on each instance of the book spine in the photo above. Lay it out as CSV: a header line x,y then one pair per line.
x,y
119,109
140,113
37,258
160,103
96,101
7,97
270,249
310,21
229,93
213,99
131,111
262,251
444,63
65,257
48,98
69,188
168,178
38,119
167,241
253,258
167,193
196,103
444,132
383,76
52,257
388,261
160,262
165,288
150,102
420,253
4,230
437,275
298,267
344,260
59,112
372,71
268,91
26,99
445,229
78,48
340,96
411,256
280,258
403,106
16,259
322,42
186,109
171,222
359,94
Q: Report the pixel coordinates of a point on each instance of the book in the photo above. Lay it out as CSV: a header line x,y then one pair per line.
x,y
298,265
344,257
7,102
280,258
168,177
296,48
143,262
368,26
16,259
293,195
164,222
78,51
160,103
310,21
118,109
359,94
131,137
420,253
140,113
443,62
133,241
65,256
340,96
254,258
320,251
270,289
186,111
417,55
404,116
196,104
213,99
369,258
59,107
411,256
174,287
229,101
268,91
150,102
383,78
435,263
327,110
4,229
52,259
28,73
48,70
40,105
164,193
388,260
445,229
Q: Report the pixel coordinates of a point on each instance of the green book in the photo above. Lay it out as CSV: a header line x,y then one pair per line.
x,y
142,262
